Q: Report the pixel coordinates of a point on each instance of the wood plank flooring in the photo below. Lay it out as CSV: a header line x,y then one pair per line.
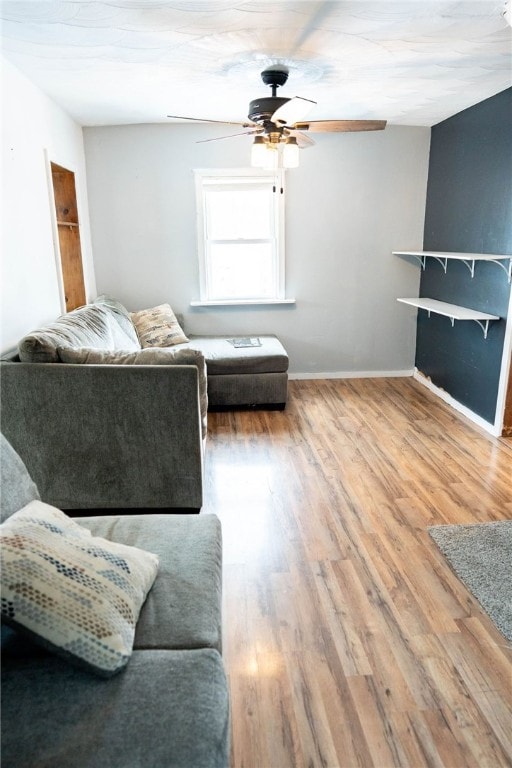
x,y
348,640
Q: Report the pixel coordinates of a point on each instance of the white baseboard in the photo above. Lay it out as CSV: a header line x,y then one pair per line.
x,y
352,375
419,377
441,393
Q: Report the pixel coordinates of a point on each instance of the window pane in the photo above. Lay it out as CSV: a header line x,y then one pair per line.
x,y
241,271
241,234
239,214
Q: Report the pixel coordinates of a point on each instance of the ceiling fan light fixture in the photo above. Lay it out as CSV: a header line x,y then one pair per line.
x,y
291,153
259,152
271,162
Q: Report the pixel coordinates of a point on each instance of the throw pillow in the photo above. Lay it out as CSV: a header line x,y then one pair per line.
x,y
149,356
77,595
158,327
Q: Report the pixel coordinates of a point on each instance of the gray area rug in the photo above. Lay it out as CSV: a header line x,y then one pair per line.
x,y
481,556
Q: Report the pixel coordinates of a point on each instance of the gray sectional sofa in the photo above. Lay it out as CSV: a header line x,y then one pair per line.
x,y
169,707
244,376
128,429
108,435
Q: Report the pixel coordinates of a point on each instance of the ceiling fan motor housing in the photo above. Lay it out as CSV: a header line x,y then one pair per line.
x,y
261,110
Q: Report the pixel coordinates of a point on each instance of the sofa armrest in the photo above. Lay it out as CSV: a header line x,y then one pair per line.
x,y
106,436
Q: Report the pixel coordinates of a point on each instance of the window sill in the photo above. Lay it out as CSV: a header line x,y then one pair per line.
x,y
240,302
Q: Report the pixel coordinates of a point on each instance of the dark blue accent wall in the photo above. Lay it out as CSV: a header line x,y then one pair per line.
x,y
469,209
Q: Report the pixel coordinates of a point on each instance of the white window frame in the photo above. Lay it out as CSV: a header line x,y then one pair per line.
x,y
239,177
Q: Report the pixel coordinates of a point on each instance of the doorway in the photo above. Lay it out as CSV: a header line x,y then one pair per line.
x,y
68,228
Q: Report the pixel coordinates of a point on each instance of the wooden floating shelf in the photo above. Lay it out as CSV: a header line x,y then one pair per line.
x,y
453,311
469,259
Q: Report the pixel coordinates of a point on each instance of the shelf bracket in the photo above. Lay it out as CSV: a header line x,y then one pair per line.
x,y
422,259
483,325
443,262
507,270
470,265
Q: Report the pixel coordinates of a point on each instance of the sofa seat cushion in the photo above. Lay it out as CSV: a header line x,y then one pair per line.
x,y
94,325
183,609
222,357
166,709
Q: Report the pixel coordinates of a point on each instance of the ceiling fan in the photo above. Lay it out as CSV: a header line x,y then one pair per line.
x,y
279,124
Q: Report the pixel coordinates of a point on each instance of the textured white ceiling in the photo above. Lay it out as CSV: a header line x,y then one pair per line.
x,y
126,61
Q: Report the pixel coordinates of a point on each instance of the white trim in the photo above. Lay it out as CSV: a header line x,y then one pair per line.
x,y
240,302
353,375
200,229
235,172
443,395
506,371
55,232
240,177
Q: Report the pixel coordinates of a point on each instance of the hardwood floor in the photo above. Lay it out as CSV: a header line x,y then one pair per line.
x,y
348,640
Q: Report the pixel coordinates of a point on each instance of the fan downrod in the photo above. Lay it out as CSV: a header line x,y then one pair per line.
x,y
275,78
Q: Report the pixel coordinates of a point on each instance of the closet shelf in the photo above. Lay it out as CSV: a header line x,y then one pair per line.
x,y
468,259
453,311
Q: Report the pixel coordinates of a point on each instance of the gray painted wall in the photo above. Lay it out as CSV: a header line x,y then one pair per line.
x,y
354,199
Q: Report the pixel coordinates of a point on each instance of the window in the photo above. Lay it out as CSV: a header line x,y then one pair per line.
x,y
240,235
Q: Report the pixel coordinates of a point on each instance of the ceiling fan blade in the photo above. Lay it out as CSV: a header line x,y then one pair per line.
x,y
231,136
294,109
340,126
207,120
302,140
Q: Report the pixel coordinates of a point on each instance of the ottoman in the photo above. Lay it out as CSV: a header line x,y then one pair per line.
x,y
241,377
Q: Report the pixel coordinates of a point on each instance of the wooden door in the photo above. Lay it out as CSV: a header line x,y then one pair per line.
x,y
68,226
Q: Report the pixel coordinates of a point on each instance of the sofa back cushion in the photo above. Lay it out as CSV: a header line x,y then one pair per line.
x,y
18,488
121,314
94,325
